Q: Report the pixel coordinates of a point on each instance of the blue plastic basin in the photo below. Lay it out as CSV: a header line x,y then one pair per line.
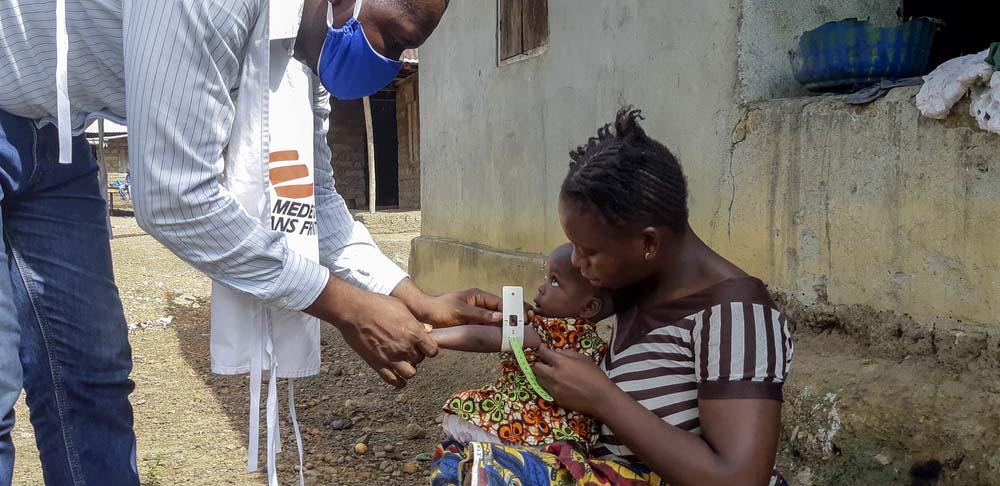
x,y
851,53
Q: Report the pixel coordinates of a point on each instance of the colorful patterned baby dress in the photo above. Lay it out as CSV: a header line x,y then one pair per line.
x,y
510,408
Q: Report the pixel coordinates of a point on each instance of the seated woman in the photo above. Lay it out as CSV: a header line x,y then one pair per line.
x,y
691,384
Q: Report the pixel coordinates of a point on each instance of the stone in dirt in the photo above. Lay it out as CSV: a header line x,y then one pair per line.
x,y
414,432
361,448
411,468
341,424
185,300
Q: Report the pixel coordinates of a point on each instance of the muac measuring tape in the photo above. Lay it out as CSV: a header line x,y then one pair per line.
x,y
513,336
522,361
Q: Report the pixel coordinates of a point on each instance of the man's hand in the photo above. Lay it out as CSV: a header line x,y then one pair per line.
x,y
471,306
380,329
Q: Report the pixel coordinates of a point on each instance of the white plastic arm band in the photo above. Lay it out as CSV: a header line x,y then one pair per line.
x,y
513,316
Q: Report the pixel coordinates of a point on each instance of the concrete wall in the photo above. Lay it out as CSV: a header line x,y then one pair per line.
x,y
495,139
865,206
873,205
768,29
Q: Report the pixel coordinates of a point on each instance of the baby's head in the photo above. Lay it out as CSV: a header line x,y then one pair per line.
x,y
565,293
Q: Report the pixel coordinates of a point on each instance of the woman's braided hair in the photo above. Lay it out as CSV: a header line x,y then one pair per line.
x,y
631,179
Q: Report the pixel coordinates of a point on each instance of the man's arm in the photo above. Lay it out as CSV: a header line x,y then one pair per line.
x,y
345,245
348,250
178,71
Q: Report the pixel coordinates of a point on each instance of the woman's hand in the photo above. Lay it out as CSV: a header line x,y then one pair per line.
x,y
573,380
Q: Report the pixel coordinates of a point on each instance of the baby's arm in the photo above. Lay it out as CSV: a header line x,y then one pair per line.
x,y
479,339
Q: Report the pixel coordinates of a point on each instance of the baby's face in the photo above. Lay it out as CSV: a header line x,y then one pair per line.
x,y
564,292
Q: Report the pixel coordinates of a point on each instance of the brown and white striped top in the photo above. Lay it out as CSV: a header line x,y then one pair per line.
x,y
727,341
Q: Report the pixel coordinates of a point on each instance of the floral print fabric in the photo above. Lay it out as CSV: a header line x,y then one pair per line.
x,y
510,408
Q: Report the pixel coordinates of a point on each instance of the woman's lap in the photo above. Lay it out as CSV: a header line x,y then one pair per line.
x,y
558,465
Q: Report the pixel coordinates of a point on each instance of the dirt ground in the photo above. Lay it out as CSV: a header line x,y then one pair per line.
x,y
851,418
191,425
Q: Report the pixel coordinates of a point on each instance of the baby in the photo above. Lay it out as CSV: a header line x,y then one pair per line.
x,y
510,412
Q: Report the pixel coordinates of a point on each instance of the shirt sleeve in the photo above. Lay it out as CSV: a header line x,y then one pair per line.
x,y
742,350
345,245
179,68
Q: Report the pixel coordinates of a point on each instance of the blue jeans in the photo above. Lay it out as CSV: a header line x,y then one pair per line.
x,y
57,292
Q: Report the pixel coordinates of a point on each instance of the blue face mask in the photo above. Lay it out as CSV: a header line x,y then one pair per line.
x,y
348,66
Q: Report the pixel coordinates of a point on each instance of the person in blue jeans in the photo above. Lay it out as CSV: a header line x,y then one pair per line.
x,y
58,293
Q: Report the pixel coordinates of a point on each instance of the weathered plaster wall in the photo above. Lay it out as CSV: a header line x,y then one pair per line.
x,y
869,206
495,139
872,205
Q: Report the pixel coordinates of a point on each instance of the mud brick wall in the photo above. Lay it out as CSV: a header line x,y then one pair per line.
x,y
347,141
115,154
408,135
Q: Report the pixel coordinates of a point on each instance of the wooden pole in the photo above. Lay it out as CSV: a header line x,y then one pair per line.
x,y
369,130
103,173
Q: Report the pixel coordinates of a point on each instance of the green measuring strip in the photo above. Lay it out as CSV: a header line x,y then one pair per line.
x,y
522,360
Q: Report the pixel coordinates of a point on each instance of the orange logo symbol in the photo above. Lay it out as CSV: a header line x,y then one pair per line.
x,y
282,177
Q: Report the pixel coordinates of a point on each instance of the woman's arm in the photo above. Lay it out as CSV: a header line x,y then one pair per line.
x,y
478,339
737,447
739,436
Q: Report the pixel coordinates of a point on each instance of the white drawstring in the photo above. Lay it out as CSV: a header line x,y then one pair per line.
x,y
256,372
62,86
273,437
357,7
273,441
295,427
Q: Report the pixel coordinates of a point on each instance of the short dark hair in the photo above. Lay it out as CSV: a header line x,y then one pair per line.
x,y
405,6
631,179
409,6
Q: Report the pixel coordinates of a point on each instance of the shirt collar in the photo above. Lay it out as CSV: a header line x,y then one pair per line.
x,y
285,18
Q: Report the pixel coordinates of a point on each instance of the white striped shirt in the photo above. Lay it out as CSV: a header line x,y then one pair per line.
x,y
179,61
727,341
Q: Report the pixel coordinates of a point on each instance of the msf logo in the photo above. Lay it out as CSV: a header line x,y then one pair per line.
x,y
286,178
291,182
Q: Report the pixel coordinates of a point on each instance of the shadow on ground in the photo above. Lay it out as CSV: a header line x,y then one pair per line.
x,y
396,426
